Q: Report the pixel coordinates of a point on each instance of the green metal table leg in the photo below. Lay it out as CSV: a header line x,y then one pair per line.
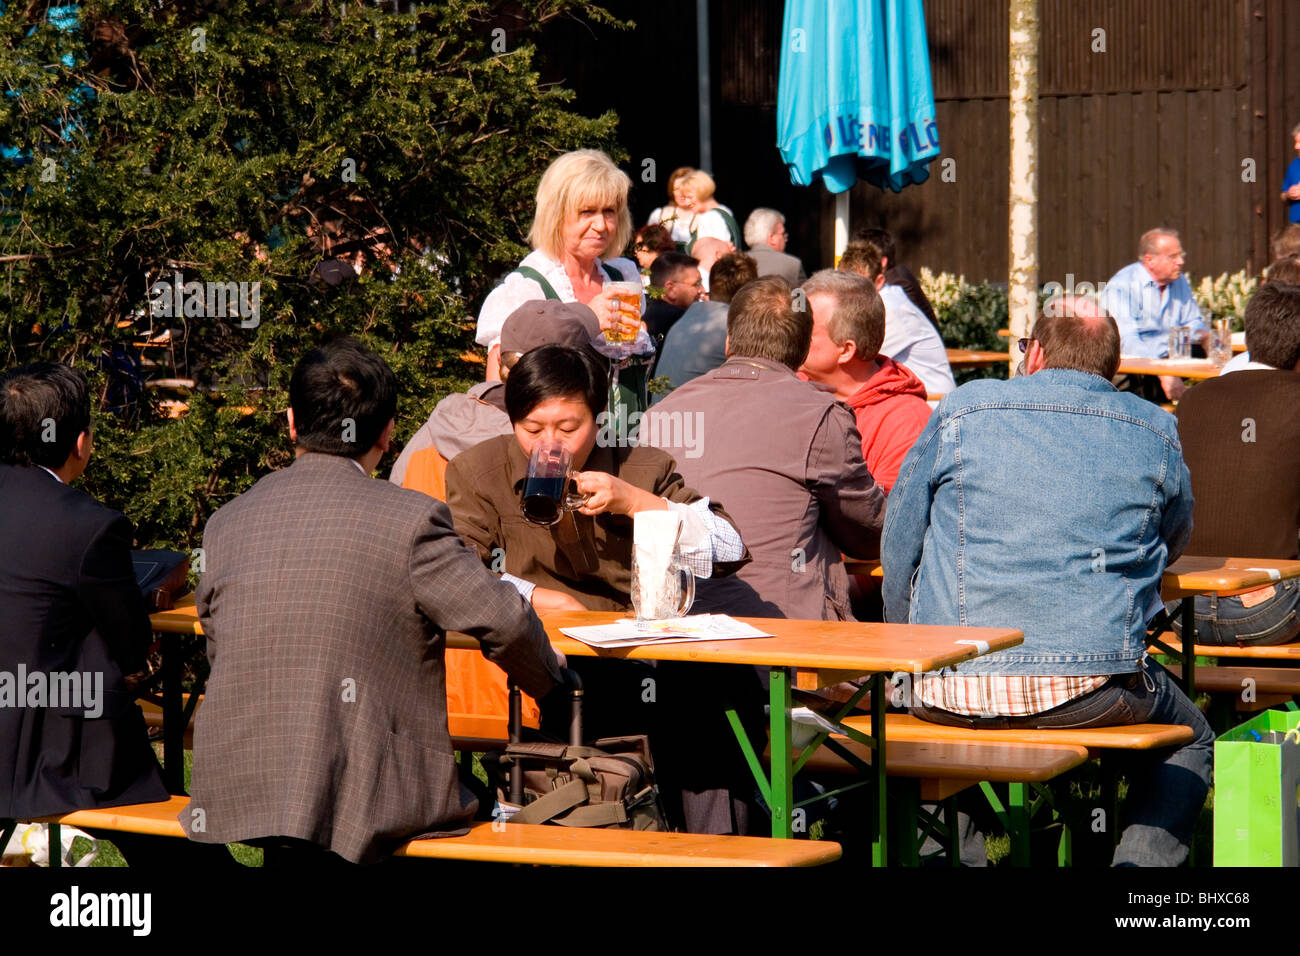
x,y
782,799
954,833
1018,824
879,848
1188,611
908,825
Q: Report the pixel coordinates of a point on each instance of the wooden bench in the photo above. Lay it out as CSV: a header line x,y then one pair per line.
x,y
905,727
520,843
1276,652
939,770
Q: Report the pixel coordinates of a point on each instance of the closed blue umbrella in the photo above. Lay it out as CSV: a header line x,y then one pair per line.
x,y
855,98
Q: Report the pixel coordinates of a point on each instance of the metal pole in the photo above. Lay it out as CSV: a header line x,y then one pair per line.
x,y
1022,298
702,71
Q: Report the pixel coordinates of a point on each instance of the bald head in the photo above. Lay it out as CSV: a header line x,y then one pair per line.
x,y
1076,333
709,251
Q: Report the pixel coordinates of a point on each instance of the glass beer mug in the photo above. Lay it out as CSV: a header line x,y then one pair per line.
x,y
666,593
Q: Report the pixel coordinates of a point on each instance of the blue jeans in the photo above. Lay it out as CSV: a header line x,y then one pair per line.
x,y
1167,787
1226,621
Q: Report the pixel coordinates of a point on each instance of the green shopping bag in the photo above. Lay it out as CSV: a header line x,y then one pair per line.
x,y
1257,792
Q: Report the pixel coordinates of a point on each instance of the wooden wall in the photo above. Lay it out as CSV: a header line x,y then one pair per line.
x,y
1152,131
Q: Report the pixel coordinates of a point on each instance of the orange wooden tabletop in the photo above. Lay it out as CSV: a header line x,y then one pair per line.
x,y
1188,575
968,358
814,645
1188,368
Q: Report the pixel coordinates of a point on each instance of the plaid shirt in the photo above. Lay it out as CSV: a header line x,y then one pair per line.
x,y
996,695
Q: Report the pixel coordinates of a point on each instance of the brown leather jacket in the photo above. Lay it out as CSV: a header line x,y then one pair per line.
x,y
587,557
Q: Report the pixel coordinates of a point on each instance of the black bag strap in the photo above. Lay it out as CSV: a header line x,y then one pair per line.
x,y
614,274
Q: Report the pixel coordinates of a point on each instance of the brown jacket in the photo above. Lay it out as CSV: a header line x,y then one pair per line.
x,y
325,599
787,458
587,557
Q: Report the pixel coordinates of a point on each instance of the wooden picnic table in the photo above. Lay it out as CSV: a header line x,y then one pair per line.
x,y
1238,339
968,358
1179,368
818,653
1182,581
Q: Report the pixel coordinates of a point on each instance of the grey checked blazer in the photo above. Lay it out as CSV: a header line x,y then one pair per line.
x,y
325,598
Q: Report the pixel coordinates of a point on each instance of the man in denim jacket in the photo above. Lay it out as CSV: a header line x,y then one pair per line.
x,y
1052,503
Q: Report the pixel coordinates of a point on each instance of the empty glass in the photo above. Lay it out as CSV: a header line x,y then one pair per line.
x,y
667,593
1180,342
1220,349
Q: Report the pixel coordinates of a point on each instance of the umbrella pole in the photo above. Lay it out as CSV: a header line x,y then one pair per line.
x,y
841,223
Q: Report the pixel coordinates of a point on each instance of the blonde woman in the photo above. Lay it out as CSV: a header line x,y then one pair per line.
x,y
581,221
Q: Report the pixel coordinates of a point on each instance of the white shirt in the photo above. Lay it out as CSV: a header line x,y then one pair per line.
x,y
50,473
516,290
707,225
911,339
1241,362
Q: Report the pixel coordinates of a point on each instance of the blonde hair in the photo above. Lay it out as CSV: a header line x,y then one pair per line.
x,y
700,183
579,179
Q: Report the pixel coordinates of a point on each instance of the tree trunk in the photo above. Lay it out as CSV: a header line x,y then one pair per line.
x,y
1022,293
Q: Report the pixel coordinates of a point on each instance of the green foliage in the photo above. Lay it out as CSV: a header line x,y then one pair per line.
x,y
1226,296
969,317
246,142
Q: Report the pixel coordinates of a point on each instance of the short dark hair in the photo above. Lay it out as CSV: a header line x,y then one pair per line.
x,y
1088,343
863,257
668,264
730,274
762,322
556,371
1273,325
343,395
882,239
44,407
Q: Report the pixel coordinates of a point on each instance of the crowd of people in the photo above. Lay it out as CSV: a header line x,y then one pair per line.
x,y
812,418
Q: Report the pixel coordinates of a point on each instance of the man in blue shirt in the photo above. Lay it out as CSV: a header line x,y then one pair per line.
x,y
1151,296
1291,185
1052,503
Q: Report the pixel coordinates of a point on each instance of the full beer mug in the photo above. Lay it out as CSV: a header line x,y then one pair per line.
x,y
547,494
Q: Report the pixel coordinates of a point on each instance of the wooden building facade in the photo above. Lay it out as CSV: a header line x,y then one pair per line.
x,y
1152,112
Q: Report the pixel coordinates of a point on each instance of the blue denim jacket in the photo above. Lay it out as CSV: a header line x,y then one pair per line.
x,y
1050,503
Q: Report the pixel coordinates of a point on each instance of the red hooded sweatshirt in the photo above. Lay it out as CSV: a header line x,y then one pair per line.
x,y
891,412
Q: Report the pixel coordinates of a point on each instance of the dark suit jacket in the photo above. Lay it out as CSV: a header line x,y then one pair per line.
x,y
325,599
69,603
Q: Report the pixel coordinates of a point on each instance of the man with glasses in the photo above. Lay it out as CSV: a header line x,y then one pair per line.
x,y
1149,297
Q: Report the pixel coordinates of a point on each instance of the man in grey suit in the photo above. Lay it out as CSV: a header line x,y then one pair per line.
x,y
325,599
766,237
786,453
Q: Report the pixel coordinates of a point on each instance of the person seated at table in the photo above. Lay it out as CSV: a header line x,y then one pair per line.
x,y
895,272
580,229
679,276
697,342
888,401
1146,299
463,419
1285,270
71,607
910,338
1052,503
583,562
325,599
1253,508
784,454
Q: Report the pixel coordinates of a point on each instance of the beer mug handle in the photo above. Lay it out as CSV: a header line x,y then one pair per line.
x,y
687,588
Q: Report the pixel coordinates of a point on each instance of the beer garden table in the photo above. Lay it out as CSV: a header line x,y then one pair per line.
x,y
802,654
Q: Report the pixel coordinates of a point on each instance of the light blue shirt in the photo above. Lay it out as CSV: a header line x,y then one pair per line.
x,y
1145,313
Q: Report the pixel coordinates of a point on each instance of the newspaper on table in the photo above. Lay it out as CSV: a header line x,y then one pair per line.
x,y
695,627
